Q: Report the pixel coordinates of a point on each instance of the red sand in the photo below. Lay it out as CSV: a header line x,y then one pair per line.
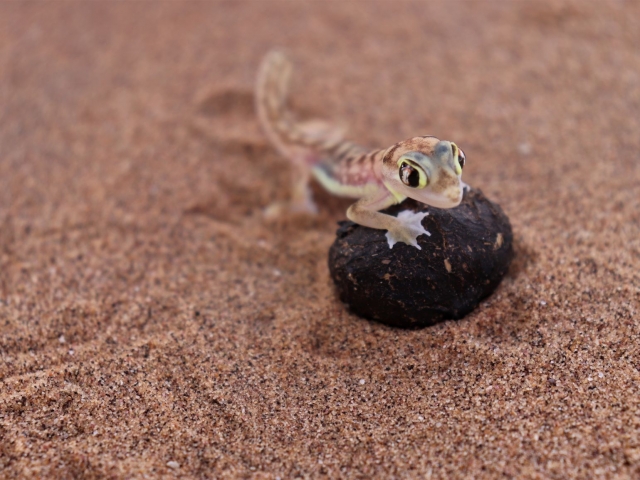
x,y
149,315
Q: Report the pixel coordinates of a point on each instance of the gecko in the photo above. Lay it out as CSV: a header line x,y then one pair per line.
x,y
423,168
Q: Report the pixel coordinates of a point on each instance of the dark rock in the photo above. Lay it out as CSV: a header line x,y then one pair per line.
x,y
462,262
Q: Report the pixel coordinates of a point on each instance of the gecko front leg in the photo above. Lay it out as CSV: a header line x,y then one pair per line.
x,y
411,229
406,227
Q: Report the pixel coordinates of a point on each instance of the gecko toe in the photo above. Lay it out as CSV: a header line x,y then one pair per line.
x,y
409,230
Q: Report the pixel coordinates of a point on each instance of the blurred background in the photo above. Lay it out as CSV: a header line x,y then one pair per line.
x,y
152,322
102,89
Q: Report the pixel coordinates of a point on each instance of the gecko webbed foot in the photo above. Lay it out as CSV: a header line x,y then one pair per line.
x,y
409,230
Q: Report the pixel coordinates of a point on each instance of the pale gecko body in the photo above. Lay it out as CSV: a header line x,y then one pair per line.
x,y
424,168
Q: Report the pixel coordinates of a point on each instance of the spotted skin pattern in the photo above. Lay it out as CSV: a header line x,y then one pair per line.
x,y
424,168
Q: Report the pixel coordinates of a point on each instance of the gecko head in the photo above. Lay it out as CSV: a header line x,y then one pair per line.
x,y
426,169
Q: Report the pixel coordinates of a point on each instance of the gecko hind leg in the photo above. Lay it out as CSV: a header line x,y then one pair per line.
x,y
301,200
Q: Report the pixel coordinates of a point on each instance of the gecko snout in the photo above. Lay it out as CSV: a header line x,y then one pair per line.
x,y
455,195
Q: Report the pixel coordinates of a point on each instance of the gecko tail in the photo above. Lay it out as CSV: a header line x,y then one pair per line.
x,y
291,137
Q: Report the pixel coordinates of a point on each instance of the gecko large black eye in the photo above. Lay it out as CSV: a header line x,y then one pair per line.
x,y
461,158
409,175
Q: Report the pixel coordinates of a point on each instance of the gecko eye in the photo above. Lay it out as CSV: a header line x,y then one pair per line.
x,y
411,176
461,158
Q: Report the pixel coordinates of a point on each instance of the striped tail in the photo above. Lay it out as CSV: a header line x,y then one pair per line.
x,y
292,138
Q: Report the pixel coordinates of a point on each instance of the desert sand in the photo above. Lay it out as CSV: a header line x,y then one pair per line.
x,y
154,324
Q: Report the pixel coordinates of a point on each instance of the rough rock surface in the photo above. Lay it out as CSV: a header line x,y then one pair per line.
x,y
460,263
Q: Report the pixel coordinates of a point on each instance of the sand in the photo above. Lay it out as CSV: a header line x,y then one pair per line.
x,y
154,324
